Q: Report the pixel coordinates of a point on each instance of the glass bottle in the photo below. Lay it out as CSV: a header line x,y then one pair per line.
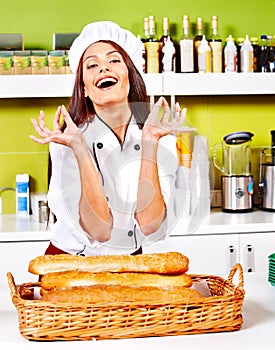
x,y
215,42
263,54
165,30
255,44
197,41
145,29
271,53
144,39
186,48
152,48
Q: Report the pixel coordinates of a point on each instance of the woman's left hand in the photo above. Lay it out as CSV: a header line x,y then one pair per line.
x,y
158,125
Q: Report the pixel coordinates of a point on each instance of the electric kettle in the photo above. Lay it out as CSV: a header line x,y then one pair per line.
x,y
234,163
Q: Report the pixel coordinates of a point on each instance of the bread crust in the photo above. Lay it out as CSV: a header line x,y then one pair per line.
x,y
114,293
159,263
66,279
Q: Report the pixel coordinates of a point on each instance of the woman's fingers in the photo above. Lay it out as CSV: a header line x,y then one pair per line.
x,y
43,131
56,120
65,114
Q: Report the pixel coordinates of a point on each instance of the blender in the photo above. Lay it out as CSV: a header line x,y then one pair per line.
x,y
267,176
235,166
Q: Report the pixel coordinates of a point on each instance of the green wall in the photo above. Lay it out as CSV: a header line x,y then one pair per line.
x,y
213,116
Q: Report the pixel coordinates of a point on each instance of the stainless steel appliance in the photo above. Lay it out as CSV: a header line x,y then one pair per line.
x,y
267,176
235,166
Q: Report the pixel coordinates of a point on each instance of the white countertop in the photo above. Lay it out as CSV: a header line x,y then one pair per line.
x,y
18,228
24,228
257,332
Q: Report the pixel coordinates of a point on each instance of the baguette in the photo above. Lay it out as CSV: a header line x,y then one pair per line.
x,y
66,279
159,263
115,293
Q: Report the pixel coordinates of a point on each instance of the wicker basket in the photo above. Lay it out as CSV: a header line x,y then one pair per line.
x,y
62,321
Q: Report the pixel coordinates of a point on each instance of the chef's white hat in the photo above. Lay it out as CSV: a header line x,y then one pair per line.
x,y
106,30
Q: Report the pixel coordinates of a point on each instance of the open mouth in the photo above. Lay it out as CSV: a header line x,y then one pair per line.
x,y
106,83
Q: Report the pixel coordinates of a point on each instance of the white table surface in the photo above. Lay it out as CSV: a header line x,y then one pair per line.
x,y
25,228
258,331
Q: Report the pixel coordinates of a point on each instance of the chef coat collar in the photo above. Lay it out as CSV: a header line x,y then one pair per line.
x,y
130,121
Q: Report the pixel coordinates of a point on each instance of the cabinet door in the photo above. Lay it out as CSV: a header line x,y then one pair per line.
x,y
15,258
254,250
210,254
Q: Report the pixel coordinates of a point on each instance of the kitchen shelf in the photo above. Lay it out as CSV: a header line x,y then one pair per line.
x,y
56,85
219,84
195,84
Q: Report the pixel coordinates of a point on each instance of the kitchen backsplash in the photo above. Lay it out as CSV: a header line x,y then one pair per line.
x,y
213,116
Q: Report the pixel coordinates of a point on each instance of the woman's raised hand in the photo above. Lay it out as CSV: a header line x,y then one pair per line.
x,y
68,137
160,122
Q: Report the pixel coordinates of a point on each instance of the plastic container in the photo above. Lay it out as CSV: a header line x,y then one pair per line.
x,y
204,56
247,56
22,194
230,56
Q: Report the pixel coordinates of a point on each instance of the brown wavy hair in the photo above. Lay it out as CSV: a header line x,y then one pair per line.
x,y
81,108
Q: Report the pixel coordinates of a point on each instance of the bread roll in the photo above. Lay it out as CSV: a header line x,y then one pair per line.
x,y
67,279
160,263
113,294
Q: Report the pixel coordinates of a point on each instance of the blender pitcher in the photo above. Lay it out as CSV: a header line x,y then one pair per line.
x,y
267,176
235,166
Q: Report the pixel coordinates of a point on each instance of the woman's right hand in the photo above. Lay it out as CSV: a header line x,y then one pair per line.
x,y
68,137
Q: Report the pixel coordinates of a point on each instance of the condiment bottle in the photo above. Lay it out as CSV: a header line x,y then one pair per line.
x,y
204,56
247,56
168,53
230,56
169,56
239,44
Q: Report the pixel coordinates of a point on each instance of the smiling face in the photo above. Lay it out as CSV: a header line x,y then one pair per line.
x,y
105,76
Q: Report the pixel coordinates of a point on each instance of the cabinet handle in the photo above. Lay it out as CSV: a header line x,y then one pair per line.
x,y
249,255
231,257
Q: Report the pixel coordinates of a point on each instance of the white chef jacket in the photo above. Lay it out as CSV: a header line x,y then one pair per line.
x,y
118,166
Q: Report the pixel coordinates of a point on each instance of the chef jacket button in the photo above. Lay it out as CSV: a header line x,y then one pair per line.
x,y
130,233
107,198
137,147
99,145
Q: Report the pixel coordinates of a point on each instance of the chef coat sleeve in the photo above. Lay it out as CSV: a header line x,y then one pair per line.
x,y
65,190
167,169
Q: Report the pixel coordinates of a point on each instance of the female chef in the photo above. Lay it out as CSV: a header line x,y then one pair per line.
x,y
113,163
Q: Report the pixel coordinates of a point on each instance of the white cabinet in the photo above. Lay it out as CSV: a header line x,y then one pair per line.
x,y
15,258
217,253
255,249
210,254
